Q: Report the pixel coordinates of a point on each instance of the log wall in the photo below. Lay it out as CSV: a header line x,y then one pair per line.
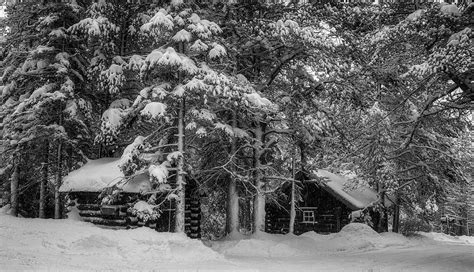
x,y
119,214
329,214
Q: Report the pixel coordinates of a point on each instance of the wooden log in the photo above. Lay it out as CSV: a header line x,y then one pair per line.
x,y
196,216
132,220
102,221
90,213
93,207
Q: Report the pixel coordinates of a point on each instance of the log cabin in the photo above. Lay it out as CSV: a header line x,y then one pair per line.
x,y
86,186
325,205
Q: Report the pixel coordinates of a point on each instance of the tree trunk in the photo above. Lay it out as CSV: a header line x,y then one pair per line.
x,y
246,214
233,197
382,214
396,216
303,158
14,188
293,200
57,184
467,227
259,199
180,179
43,182
232,208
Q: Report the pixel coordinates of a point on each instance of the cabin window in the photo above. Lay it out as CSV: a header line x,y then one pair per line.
x,y
308,216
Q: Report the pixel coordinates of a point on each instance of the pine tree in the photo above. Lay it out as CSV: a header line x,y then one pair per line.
x,y
179,87
42,75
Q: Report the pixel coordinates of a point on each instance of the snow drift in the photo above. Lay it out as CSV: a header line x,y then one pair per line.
x,y
68,241
353,237
39,244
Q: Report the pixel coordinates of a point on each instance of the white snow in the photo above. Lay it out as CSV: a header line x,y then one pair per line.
x,y
415,15
204,114
159,172
47,244
112,118
450,10
41,91
173,156
71,108
359,197
160,90
136,62
143,206
188,65
122,103
194,18
161,19
114,77
182,36
179,90
154,110
353,237
170,57
198,46
258,101
153,58
96,175
131,151
195,84
59,245
217,51
442,237
94,26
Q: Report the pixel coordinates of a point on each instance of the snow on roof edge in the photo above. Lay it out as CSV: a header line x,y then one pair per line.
x,y
96,175
355,199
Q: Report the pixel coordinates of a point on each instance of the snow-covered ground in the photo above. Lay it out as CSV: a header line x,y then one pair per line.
x,y
39,244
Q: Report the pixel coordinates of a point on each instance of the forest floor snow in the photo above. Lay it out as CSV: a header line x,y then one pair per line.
x,y
46,244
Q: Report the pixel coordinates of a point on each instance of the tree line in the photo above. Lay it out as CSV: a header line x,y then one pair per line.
x,y
239,97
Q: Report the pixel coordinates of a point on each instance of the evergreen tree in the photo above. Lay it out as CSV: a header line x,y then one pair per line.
x,y
42,100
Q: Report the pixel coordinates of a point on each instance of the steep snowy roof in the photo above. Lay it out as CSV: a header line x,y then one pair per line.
x,y
96,175
355,198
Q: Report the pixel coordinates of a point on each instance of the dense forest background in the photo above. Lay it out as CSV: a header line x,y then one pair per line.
x,y
240,96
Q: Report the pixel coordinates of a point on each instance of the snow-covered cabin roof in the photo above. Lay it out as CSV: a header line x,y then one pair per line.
x,y
99,174
354,198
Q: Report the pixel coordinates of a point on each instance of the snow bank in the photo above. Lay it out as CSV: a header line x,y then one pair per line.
x,y
69,241
354,237
67,245
442,237
5,210
266,245
357,236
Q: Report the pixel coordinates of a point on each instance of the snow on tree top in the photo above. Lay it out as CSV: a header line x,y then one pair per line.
x,y
154,110
198,46
41,91
415,15
450,10
96,175
217,51
182,36
356,199
194,18
257,101
161,19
